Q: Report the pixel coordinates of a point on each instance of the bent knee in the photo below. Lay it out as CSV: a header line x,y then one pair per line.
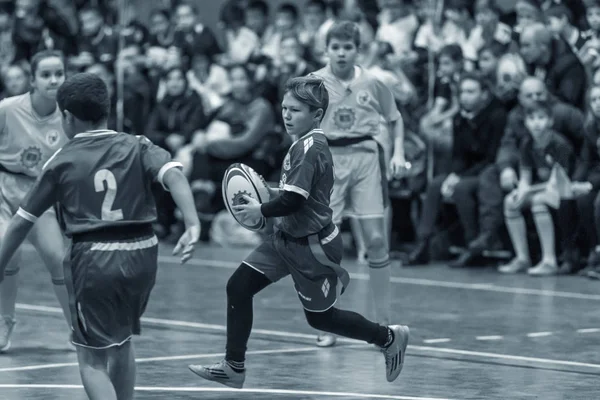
x,y
320,321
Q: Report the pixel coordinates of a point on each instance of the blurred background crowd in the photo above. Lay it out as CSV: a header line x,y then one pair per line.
x,y
474,80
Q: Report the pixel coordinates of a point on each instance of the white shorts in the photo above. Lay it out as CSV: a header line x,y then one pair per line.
x,y
360,188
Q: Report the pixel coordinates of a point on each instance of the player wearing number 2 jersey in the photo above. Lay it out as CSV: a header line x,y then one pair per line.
x,y
30,132
101,181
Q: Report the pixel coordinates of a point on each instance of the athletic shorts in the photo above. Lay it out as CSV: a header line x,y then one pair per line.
x,y
313,262
109,283
360,189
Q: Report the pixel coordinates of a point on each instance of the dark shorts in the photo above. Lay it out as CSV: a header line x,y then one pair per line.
x,y
109,283
313,262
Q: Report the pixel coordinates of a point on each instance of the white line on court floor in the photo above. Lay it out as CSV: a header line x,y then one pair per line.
x,y
428,349
484,287
172,358
226,390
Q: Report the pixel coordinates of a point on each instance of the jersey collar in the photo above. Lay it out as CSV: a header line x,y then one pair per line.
x,y
316,130
99,132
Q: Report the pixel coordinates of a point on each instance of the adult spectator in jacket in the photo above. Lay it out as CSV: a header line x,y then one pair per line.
x,y
498,179
477,130
552,60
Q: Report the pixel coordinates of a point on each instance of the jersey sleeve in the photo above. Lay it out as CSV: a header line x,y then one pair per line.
x,y
41,196
387,103
156,160
303,163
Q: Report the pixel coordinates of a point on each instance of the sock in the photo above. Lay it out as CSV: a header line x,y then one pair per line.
x,y
518,234
379,280
390,338
545,229
237,366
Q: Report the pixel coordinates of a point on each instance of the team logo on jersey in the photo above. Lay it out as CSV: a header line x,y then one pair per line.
x,y
282,181
31,157
52,137
344,118
363,97
286,163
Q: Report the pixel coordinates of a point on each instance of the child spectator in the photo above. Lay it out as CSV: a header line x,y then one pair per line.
x,y
210,81
313,17
561,23
97,39
15,80
257,17
285,23
456,23
542,154
241,42
398,26
191,36
161,30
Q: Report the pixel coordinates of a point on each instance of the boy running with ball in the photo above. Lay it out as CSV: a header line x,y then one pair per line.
x,y
306,245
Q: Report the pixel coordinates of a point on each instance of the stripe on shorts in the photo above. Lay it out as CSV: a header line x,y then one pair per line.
x,y
125,246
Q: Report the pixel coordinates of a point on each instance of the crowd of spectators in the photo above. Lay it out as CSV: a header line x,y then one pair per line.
x,y
501,106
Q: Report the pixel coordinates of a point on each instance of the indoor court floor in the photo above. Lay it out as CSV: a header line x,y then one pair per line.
x,y
474,335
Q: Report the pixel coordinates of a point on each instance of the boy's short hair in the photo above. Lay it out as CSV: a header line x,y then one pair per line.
x,y
259,5
309,90
344,30
452,51
477,77
85,96
288,8
559,11
540,106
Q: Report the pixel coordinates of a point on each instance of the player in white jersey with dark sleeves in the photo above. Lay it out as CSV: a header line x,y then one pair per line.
x,y
30,133
358,101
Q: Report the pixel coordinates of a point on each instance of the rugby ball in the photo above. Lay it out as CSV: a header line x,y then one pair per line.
x,y
240,180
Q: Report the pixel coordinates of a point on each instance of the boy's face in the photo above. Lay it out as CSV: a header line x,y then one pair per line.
x,y
487,63
471,95
297,117
284,21
447,66
342,55
313,17
557,24
593,17
538,123
256,20
91,22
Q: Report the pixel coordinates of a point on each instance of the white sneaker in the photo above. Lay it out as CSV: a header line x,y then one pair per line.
x,y
395,352
543,269
326,340
7,325
220,372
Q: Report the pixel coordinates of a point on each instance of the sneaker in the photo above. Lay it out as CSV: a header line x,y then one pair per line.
x,y
543,269
514,266
395,352
221,373
7,324
326,340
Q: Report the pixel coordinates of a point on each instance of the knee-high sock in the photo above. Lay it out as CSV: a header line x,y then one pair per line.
x,y
545,230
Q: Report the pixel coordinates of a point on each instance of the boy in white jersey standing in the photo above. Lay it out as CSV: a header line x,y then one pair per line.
x,y
31,131
357,102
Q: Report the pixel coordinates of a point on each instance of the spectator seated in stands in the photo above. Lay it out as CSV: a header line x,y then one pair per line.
x,y
286,22
456,23
436,123
173,122
500,178
161,31
553,61
398,27
544,156
313,17
191,36
239,132
241,42
97,39
210,81
15,80
477,130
